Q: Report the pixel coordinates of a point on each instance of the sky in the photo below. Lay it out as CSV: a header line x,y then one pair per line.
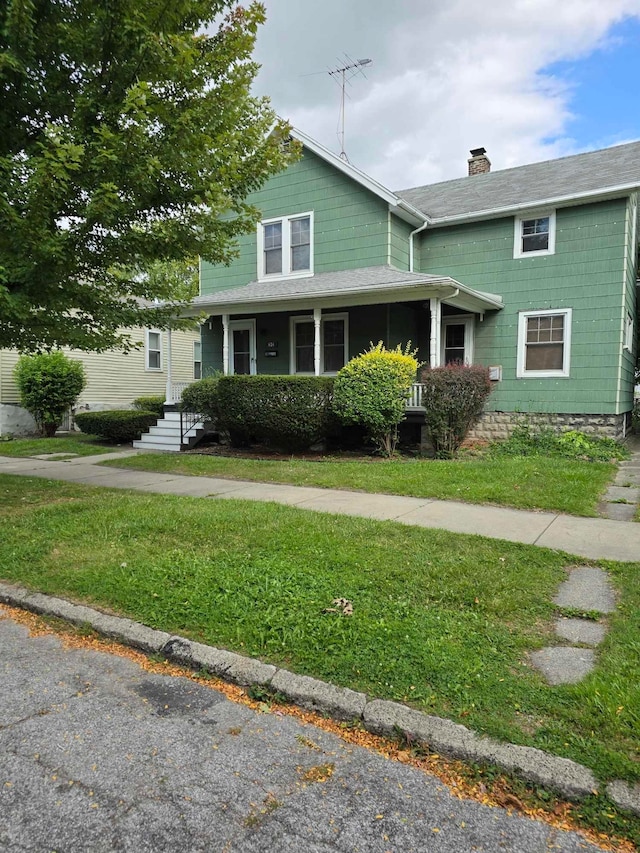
x,y
529,80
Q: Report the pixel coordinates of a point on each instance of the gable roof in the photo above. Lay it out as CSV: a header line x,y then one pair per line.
x,y
596,174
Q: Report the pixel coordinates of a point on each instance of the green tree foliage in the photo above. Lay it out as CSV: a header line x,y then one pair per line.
x,y
128,138
372,390
49,385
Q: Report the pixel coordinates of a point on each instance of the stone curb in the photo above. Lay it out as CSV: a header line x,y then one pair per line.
x,y
451,739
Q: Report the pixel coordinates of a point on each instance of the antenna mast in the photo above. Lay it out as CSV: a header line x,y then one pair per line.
x,y
342,76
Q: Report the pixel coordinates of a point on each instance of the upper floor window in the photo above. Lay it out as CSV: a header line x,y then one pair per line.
x,y
153,349
544,343
628,333
535,235
285,246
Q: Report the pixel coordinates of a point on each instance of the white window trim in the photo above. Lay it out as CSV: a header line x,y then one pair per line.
x,y
147,350
629,328
197,360
286,247
517,233
521,372
468,320
308,318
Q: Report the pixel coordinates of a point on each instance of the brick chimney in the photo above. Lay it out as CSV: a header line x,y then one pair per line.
x,y
479,163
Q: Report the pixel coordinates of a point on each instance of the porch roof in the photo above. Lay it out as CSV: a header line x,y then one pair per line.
x,y
363,286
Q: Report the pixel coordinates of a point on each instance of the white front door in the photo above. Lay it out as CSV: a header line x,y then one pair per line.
x,y
242,346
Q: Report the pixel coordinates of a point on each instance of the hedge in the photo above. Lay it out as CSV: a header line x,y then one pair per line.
x,y
201,397
150,404
117,425
287,412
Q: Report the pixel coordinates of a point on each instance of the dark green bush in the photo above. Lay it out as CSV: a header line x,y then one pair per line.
x,y
150,404
201,397
49,384
288,412
454,397
118,425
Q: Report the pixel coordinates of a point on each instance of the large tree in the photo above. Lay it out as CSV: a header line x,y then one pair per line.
x,y
128,137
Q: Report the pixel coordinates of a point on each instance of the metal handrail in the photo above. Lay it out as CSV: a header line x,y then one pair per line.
x,y
188,421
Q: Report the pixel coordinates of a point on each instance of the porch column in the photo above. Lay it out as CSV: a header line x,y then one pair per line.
x,y
169,394
435,306
225,344
317,315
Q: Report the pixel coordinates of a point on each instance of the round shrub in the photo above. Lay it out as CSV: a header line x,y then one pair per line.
x,y
117,425
201,397
150,404
372,390
49,385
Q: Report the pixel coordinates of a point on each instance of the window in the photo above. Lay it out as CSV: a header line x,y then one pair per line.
x,y
197,360
285,246
535,235
544,341
628,333
153,350
457,339
333,343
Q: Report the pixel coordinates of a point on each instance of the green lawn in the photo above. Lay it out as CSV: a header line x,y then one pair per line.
x,y
441,621
73,445
561,485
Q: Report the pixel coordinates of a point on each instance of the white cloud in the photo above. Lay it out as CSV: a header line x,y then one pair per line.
x,y
448,75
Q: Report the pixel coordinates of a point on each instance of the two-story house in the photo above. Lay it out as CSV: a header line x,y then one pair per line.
x,y
530,271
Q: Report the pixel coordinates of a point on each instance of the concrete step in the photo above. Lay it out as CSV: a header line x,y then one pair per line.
x,y
150,445
161,429
161,439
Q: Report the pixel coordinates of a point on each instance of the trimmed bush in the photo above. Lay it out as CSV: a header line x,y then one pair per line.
x,y
201,397
372,390
150,404
49,385
454,397
288,412
117,425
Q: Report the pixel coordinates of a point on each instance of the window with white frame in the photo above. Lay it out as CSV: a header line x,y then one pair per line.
x,y
197,360
628,333
544,343
153,349
457,339
535,235
334,343
285,246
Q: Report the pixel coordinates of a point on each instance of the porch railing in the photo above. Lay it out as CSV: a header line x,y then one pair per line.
x,y
175,391
414,400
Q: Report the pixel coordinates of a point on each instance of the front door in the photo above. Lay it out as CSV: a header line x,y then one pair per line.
x,y
242,346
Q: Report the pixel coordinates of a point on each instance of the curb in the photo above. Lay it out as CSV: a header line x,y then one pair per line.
x,y
450,739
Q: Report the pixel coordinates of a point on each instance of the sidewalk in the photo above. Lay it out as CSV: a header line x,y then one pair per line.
x,y
593,538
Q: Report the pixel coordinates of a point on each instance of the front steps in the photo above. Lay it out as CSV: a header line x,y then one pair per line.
x,y
165,435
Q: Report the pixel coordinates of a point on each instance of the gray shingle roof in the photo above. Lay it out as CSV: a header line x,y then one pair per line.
x,y
529,185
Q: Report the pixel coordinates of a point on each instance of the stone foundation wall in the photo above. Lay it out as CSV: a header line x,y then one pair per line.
x,y
493,426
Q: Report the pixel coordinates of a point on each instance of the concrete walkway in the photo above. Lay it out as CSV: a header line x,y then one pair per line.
x,y
593,538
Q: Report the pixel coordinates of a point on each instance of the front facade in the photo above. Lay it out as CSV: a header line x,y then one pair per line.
x,y
529,271
114,378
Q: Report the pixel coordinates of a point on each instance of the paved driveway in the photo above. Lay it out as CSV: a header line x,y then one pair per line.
x,y
97,755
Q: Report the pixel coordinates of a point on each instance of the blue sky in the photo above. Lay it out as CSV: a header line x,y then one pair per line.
x,y
527,79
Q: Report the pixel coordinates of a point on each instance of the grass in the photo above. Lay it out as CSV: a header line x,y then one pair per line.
x,y
560,485
441,621
72,445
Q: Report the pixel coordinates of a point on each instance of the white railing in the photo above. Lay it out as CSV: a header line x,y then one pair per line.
x,y
175,391
414,400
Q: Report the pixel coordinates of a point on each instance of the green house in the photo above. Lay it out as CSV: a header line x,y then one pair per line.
x,y
531,271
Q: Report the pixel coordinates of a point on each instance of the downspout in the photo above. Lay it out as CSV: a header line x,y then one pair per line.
x,y
423,227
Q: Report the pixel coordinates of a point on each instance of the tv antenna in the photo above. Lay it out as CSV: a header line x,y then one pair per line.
x,y
343,75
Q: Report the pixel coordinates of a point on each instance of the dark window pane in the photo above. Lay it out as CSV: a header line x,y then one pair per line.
x,y
273,236
535,234
454,335
241,363
154,360
304,347
300,257
300,231
197,370
544,357
273,261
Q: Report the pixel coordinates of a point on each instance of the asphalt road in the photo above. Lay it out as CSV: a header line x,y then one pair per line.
x,y
99,755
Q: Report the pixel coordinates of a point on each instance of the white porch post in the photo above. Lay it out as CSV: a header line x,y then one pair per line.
x,y
225,344
435,306
317,314
169,394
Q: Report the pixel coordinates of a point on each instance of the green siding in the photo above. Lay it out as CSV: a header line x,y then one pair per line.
x,y
351,224
628,358
585,273
399,232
